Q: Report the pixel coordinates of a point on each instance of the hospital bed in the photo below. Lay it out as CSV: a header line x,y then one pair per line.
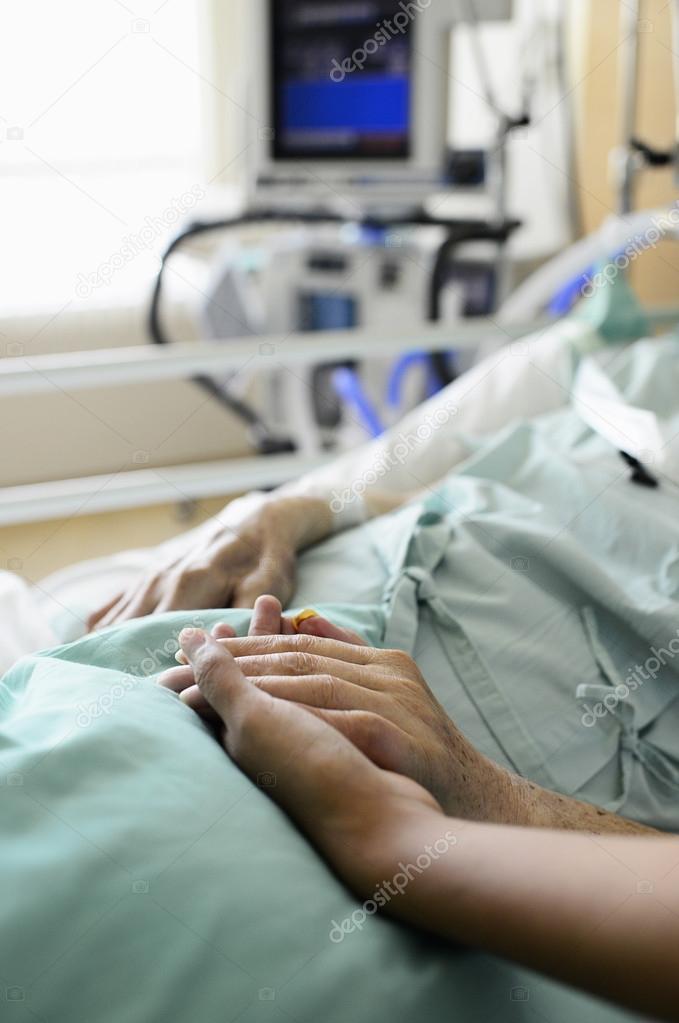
x,y
150,880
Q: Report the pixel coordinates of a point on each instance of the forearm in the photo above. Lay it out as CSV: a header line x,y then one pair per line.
x,y
598,913
523,803
301,521
525,380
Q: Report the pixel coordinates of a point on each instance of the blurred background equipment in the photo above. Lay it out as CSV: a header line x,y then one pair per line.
x,y
364,138
347,211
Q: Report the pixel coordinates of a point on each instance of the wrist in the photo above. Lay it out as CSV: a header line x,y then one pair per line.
x,y
299,522
370,850
508,799
484,791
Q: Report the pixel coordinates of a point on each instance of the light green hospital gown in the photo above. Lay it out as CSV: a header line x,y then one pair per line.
x,y
537,587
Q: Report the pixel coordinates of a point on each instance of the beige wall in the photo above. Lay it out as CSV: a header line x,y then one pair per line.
x,y
596,61
34,551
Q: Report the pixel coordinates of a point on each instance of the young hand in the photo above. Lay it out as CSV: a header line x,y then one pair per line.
x,y
376,698
362,819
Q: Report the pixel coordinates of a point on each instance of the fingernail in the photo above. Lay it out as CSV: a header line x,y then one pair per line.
x,y
303,616
191,639
180,657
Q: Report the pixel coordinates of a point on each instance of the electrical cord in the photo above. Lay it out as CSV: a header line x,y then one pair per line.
x,y
263,439
653,157
266,442
461,233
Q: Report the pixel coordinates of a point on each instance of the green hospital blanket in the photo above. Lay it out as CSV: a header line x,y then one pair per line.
x,y
147,879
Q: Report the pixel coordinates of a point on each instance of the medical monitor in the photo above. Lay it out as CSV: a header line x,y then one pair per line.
x,y
353,92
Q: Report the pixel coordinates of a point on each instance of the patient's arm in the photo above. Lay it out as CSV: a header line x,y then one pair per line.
x,y
250,548
520,381
236,558
597,912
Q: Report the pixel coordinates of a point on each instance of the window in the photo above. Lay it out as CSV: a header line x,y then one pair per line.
x,y
100,144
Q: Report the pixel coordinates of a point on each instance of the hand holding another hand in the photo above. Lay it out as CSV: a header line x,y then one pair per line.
x,y
377,699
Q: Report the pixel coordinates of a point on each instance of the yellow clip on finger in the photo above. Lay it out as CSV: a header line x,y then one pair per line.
x,y
303,616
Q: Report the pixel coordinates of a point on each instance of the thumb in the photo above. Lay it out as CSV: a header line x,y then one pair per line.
x,y
217,675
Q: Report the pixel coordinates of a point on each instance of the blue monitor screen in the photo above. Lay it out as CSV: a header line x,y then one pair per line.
x,y
342,79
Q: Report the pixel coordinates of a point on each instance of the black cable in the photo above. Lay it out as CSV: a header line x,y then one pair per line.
x,y
204,227
263,439
459,232
653,157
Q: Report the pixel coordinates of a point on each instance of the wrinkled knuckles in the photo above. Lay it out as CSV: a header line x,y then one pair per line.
x,y
299,663
402,663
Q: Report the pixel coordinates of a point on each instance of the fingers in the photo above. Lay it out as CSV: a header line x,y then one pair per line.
x,y
195,701
217,675
223,631
219,631
195,588
267,618
137,604
321,627
323,691
311,762
176,679
101,612
304,665
291,666
260,645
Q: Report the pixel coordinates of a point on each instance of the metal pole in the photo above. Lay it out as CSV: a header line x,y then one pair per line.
x,y
675,59
629,24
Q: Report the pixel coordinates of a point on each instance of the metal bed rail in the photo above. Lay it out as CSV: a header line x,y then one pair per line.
x,y
102,368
